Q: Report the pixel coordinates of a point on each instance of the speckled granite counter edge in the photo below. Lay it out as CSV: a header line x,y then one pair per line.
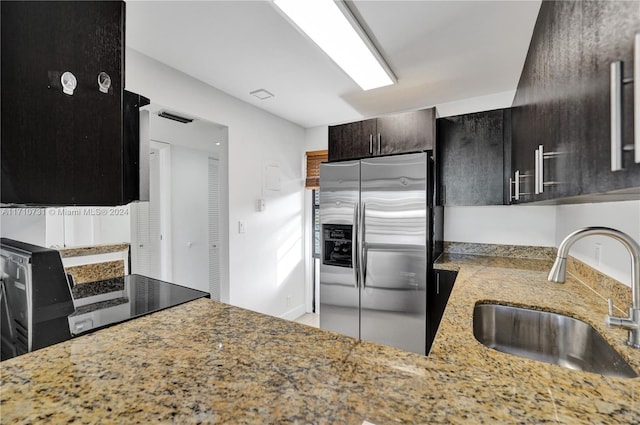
x,y
97,271
497,250
605,286
92,250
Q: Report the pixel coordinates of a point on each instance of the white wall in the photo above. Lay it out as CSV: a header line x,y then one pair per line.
x,y
613,258
266,271
476,104
316,138
87,226
510,225
24,224
199,134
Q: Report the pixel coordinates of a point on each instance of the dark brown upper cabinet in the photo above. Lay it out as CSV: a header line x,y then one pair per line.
x,y
351,141
473,158
387,135
562,112
63,132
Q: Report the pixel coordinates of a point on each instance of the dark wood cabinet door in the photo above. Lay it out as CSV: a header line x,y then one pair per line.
x,y
471,150
545,111
405,132
351,141
563,103
392,134
609,38
441,288
57,148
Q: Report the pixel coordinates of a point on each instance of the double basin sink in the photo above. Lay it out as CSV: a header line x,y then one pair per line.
x,y
548,337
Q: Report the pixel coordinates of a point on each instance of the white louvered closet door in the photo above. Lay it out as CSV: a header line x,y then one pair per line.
x,y
141,249
148,247
155,234
214,233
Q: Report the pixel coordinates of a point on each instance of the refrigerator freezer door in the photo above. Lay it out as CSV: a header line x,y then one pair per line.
x,y
394,251
339,209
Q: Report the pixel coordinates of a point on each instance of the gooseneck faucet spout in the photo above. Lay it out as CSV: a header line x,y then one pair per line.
x,y
559,270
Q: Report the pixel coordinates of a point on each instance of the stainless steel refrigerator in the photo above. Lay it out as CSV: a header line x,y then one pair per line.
x,y
378,222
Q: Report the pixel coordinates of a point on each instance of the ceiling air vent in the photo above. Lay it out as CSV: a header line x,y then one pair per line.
x,y
262,94
174,117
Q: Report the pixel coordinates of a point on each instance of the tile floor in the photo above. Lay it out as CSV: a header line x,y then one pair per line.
x,y
309,319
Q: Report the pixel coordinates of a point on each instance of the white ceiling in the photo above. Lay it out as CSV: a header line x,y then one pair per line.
x,y
441,51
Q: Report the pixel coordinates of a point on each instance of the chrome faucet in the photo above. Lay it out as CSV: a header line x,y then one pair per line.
x,y
559,270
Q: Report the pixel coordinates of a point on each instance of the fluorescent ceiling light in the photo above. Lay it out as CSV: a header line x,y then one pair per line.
x,y
340,36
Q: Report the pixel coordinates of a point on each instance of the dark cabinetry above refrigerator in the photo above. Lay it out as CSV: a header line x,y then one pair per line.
x,y
68,128
387,135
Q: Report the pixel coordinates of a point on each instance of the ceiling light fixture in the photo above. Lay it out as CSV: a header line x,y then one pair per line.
x,y
332,26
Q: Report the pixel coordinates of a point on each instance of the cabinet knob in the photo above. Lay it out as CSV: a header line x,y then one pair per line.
x,y
69,83
104,82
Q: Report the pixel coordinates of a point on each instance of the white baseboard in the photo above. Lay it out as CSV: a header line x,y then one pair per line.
x,y
294,313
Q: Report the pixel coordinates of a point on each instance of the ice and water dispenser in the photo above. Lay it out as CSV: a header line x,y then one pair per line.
x,y
337,249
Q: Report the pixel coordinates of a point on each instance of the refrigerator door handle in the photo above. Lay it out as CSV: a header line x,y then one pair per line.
x,y
363,246
354,246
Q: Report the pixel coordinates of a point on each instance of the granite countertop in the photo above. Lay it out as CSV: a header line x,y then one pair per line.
x,y
207,362
91,289
92,250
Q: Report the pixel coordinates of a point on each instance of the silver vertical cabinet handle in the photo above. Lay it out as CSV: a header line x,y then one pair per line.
x,y
371,144
616,116
510,189
354,246
636,98
362,246
514,187
536,171
541,168
379,144
617,81
437,283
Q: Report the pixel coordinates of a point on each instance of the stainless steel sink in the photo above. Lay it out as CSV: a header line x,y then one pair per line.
x,y
547,337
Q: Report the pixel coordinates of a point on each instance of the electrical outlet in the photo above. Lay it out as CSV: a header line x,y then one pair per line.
x,y
241,227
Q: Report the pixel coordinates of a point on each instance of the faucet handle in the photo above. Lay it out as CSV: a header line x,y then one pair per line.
x,y
609,317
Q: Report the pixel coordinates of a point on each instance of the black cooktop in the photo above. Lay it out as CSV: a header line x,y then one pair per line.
x,y
107,302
